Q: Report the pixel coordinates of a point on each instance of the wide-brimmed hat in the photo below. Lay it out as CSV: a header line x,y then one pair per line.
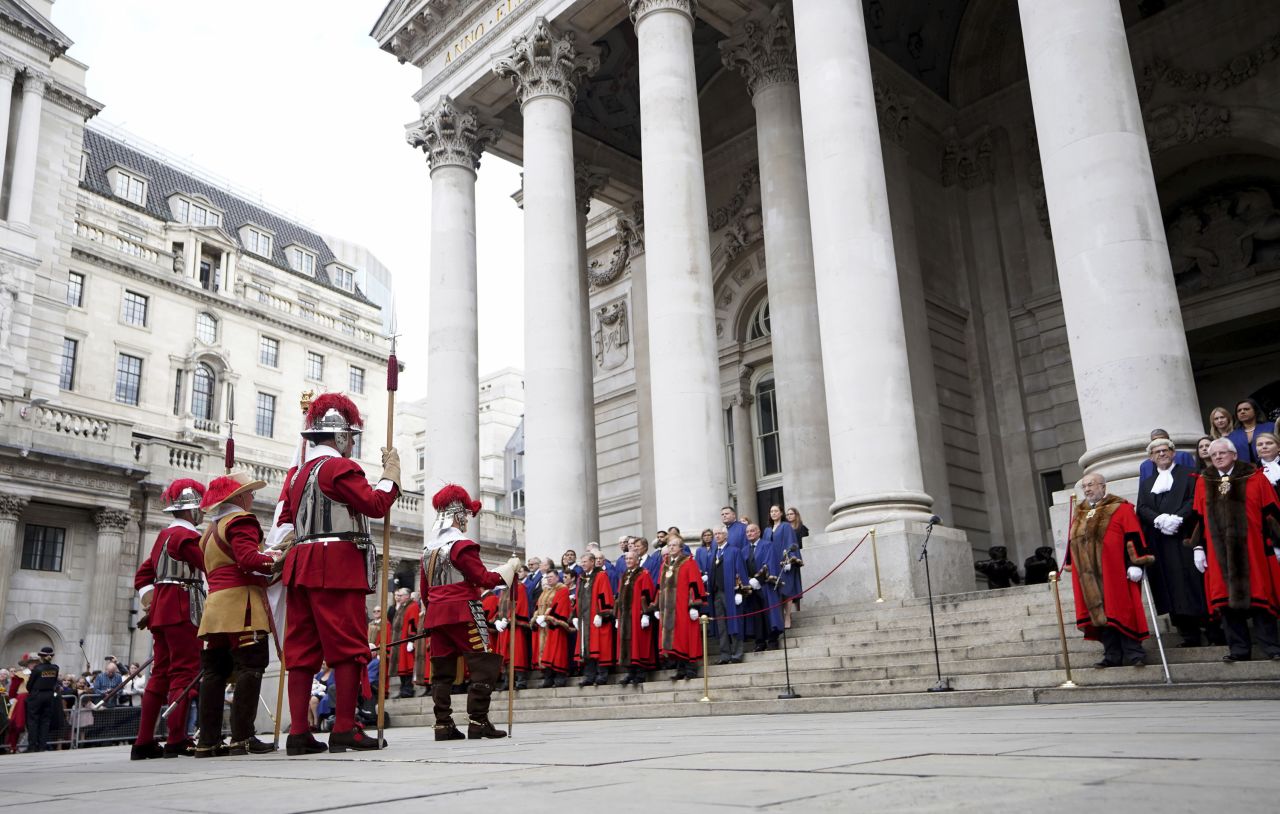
x,y
222,489
46,650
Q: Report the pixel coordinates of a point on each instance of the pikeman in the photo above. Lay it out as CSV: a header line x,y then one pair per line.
x,y
637,641
171,587
551,643
593,617
452,578
329,568
502,623
236,622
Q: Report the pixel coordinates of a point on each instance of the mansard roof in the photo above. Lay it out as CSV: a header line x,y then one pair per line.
x,y
163,180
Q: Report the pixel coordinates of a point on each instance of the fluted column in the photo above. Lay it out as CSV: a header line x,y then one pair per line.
x,y
8,72
764,53
744,446
1124,323
101,619
545,66
11,507
684,374
453,139
23,185
874,449
586,183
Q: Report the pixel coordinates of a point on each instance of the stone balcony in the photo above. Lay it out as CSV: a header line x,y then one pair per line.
x,y
48,429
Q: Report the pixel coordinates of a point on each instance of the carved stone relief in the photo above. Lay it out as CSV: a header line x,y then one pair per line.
x,y
1185,123
970,164
630,244
612,334
1225,236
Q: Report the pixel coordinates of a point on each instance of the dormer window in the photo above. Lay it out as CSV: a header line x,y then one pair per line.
x,y
128,185
344,278
256,240
302,260
186,210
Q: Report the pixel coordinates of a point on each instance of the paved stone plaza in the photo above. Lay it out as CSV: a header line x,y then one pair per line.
x,y
1164,757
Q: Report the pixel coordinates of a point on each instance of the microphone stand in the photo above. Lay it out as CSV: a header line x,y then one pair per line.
x,y
942,685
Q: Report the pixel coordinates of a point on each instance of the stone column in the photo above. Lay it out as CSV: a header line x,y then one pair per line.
x,y
1124,322
11,507
685,378
586,183
744,447
23,185
101,620
764,52
545,67
8,72
453,139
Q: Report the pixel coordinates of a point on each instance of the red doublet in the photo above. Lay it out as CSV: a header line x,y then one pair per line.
x,y
595,598
679,636
408,627
176,646
449,617
502,610
1121,598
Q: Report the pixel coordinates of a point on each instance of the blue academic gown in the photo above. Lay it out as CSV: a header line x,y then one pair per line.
x,y
734,564
702,558
1181,457
767,554
1245,450
737,534
615,571
784,537
653,564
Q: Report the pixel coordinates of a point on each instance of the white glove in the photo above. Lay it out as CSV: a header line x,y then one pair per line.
x,y
501,625
704,577
1173,524
1201,560
410,646
755,584
644,620
786,566
1135,574
657,614
541,620
617,624
1160,521
1278,555
575,623
596,621
693,614
737,599
508,570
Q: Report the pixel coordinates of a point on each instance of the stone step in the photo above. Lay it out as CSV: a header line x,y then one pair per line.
x,y
974,600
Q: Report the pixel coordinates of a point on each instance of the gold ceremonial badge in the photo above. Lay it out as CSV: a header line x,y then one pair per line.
x,y
1224,486
1090,515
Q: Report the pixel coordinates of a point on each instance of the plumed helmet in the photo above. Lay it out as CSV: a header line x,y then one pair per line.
x,y
228,486
332,413
184,494
453,499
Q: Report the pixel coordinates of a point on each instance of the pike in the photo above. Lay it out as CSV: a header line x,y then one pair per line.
x,y
114,690
393,384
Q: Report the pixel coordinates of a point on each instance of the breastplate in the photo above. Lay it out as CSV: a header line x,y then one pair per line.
x,y
171,571
321,517
438,566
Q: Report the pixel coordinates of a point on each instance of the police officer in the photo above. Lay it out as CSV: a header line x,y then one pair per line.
x,y
43,700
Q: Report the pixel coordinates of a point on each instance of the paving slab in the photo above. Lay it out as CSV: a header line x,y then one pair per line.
x,y
1165,756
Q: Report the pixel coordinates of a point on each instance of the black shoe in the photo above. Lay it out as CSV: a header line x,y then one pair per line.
x,y
1102,665
1137,661
723,660
625,680
1274,657
548,683
251,746
601,680
1231,658
405,692
736,660
216,750
481,728
522,684
353,738
305,744
586,682
561,681
179,749
1190,643
449,733
146,751
760,648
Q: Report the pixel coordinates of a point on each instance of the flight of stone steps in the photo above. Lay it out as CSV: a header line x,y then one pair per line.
x,y
997,647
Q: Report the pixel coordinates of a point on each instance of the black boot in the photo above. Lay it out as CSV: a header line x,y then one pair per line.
x,y
522,681
213,686
548,680
304,744
353,738
250,746
244,709
179,748
442,671
406,687
146,751
484,670
628,678
480,728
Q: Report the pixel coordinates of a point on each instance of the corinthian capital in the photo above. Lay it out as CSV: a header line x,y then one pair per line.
x,y
544,62
111,520
451,136
8,68
764,52
586,183
35,82
11,506
639,8
893,110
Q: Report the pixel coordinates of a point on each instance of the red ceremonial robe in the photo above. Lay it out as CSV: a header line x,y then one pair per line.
x,y
1105,540
408,627
1238,531
552,642
636,597
17,715
503,611
595,598
680,637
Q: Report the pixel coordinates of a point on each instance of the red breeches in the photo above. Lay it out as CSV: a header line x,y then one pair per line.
x,y
323,624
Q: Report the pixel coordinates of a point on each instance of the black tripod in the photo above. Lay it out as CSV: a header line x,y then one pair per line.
x,y
942,685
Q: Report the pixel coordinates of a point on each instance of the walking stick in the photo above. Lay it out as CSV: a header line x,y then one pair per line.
x,y
393,383
304,402
1155,625
512,632
1057,597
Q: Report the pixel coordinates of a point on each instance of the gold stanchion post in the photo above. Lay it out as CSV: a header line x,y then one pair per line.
x,y
1062,630
706,679
875,561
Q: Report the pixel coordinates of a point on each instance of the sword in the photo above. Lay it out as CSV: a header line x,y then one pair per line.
x,y
1155,625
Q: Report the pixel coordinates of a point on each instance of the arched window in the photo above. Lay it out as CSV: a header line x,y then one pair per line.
x,y
206,328
759,326
202,383
770,462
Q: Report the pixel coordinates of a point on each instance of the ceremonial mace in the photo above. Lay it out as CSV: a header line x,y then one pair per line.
x,y
512,618
393,384
1155,625
875,561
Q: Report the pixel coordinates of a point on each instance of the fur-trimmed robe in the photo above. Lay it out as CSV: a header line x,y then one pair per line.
x,y
1105,540
1238,531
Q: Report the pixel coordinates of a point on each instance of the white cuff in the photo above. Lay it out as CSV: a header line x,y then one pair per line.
x,y
384,485
145,589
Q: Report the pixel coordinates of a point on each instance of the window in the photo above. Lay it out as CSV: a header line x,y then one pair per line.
x,y
344,278
767,428
207,328
202,382
356,380
302,260
128,378
134,311
257,241
517,500
84,166
517,467
42,548
196,214
357,445
315,366
67,374
421,453
268,351
130,187
759,326
177,394
75,289
266,416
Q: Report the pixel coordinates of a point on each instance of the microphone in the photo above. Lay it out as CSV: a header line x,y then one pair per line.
x,y
934,520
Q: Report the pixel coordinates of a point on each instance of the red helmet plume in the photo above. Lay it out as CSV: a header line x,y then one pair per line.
x,y
174,490
453,493
333,412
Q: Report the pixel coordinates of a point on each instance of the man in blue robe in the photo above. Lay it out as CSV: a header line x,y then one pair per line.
x,y
736,529
651,562
727,571
619,566
764,564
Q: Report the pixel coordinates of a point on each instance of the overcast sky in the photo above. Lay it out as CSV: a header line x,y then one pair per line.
x,y
292,99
